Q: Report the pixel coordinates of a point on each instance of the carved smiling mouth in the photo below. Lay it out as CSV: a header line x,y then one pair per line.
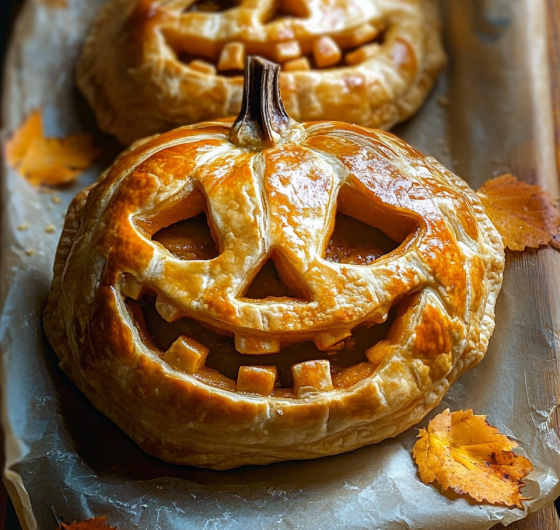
x,y
191,347
298,52
210,354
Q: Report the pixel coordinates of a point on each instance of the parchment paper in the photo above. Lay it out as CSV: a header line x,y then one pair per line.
x,y
61,452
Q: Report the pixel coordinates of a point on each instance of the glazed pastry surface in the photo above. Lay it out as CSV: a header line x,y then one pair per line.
x,y
158,314
149,66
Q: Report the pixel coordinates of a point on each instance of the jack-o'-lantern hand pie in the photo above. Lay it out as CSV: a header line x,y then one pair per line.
x,y
149,66
269,290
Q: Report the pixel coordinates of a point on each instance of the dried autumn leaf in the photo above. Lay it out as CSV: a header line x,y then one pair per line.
x,y
524,214
98,523
465,453
51,161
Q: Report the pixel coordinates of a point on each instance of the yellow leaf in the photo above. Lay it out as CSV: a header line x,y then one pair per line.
x,y
524,214
465,453
51,161
98,523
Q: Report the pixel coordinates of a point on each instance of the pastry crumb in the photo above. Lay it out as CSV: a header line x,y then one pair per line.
x,y
281,412
443,101
29,252
56,199
50,228
23,227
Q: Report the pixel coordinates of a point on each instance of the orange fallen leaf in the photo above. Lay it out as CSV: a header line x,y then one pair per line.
x,y
98,523
50,161
524,214
465,453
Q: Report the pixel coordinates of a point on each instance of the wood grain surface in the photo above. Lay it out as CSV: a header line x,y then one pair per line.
x,y
546,519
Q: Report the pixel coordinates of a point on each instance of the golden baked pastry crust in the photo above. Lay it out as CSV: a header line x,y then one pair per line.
x,y
151,65
271,188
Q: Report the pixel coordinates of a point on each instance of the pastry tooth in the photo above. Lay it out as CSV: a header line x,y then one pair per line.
x,y
329,340
312,377
186,355
203,67
377,353
358,36
362,54
232,56
255,345
131,287
326,52
256,380
297,65
167,310
285,51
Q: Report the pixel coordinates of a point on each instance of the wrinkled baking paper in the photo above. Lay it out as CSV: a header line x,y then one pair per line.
x,y
490,114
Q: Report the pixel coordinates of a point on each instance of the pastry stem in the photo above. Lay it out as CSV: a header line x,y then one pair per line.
x,y
263,121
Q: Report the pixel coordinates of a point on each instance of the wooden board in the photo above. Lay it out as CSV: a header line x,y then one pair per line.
x,y
547,519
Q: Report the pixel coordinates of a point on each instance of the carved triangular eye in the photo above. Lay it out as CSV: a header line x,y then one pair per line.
x,y
275,280
357,243
182,227
190,239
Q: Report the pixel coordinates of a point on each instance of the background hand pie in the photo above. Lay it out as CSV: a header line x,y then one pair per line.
x,y
269,290
151,65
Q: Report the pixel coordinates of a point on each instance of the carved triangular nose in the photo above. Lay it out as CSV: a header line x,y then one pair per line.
x,y
275,279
